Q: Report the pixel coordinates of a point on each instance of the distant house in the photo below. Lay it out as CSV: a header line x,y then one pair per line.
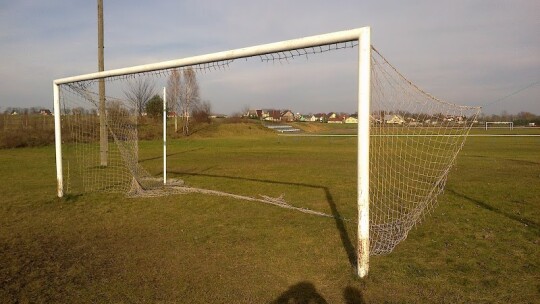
x,y
287,115
273,115
309,117
45,112
532,124
393,119
171,114
351,119
251,114
321,117
331,115
14,112
262,114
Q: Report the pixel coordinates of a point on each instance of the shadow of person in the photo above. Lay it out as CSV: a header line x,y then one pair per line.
x,y
301,293
353,296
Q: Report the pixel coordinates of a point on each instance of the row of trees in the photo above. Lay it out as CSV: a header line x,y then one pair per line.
x,y
521,118
183,98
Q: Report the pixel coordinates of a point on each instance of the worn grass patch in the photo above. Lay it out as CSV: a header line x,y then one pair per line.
x,y
481,244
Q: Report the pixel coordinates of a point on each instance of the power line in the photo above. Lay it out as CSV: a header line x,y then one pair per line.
x,y
511,94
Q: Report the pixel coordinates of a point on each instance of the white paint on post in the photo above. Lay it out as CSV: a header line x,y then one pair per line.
x,y
364,100
58,141
164,135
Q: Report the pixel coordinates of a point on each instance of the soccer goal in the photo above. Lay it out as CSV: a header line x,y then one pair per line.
x,y
500,124
407,139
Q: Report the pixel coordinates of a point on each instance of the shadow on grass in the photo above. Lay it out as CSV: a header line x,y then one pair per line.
x,y
487,206
71,197
172,154
340,224
521,161
353,296
305,292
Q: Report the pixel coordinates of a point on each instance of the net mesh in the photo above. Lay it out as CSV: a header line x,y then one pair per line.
x,y
81,132
415,139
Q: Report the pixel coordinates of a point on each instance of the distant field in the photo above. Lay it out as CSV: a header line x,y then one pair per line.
x,y
350,129
481,244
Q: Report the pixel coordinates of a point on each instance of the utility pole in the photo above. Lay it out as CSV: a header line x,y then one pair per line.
x,y
103,138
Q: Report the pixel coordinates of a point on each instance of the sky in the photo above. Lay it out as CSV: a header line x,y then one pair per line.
x,y
465,52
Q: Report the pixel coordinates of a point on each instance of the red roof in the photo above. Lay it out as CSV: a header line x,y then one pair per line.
x,y
275,114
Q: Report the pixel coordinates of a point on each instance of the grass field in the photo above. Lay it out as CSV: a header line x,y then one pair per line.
x,y
481,244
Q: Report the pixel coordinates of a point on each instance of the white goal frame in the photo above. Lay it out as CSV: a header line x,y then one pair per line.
x,y
360,35
509,123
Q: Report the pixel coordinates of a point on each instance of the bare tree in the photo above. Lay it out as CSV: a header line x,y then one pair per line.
x,y
203,111
117,112
173,94
139,92
189,97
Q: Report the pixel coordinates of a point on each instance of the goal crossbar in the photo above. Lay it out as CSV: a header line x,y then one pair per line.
x,y
287,45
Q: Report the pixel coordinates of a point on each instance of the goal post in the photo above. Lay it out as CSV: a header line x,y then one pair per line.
x,y
58,141
364,102
407,141
164,136
510,124
360,35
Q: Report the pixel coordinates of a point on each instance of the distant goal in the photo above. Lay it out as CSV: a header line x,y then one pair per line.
x,y
407,139
499,125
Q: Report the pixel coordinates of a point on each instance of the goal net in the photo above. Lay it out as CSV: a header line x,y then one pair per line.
x,y
122,171
413,140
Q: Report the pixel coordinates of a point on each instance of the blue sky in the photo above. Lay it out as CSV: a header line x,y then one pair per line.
x,y
465,52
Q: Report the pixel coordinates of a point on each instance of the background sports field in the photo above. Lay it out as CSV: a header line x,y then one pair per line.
x,y
481,244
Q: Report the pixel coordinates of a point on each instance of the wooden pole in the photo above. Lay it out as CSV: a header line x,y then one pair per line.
x,y
103,140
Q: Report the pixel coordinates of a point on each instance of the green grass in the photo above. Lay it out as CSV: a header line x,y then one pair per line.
x,y
481,244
